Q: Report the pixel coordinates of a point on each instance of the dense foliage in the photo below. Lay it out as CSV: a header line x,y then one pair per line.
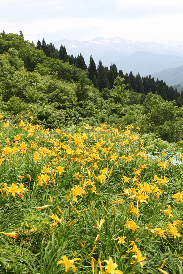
x,y
41,81
102,77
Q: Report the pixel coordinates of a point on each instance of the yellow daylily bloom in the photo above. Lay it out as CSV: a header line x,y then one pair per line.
x,y
60,169
100,224
126,179
14,189
138,258
11,234
77,191
163,164
159,232
168,211
102,178
93,249
68,263
178,196
110,267
76,176
104,171
163,181
133,209
173,230
131,225
56,218
21,124
121,240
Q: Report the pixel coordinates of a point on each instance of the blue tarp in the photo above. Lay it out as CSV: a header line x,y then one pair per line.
x,y
175,158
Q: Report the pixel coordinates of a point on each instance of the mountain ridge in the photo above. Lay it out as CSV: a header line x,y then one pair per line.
x,y
127,46
146,58
172,76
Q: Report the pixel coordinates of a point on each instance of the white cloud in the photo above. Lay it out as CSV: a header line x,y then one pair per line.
x,y
153,28
32,5
7,2
63,24
50,25
39,18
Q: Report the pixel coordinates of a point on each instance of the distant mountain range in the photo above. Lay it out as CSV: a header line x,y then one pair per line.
x,y
158,60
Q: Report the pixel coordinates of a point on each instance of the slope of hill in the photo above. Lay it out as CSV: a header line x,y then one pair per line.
x,y
119,44
54,93
171,76
147,63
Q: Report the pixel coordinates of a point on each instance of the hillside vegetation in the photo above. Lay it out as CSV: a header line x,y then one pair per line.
x,y
94,198
86,183
57,93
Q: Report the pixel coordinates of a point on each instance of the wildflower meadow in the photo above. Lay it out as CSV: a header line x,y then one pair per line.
x,y
88,200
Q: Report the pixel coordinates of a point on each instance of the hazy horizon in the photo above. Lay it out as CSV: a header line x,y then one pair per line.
x,y
173,44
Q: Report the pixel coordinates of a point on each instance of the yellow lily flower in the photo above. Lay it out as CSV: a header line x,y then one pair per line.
x,y
110,267
68,263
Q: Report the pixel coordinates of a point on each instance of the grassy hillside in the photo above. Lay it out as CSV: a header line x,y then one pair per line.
x,y
86,183
95,194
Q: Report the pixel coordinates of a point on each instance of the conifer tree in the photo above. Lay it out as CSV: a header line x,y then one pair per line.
x,y
147,84
45,48
138,84
63,53
53,52
121,73
102,79
72,60
21,34
80,62
38,45
95,83
43,44
92,70
131,80
112,74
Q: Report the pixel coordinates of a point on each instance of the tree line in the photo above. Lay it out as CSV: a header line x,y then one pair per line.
x,y
56,93
103,77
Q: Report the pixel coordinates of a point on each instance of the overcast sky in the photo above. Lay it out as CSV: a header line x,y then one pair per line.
x,y
136,20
